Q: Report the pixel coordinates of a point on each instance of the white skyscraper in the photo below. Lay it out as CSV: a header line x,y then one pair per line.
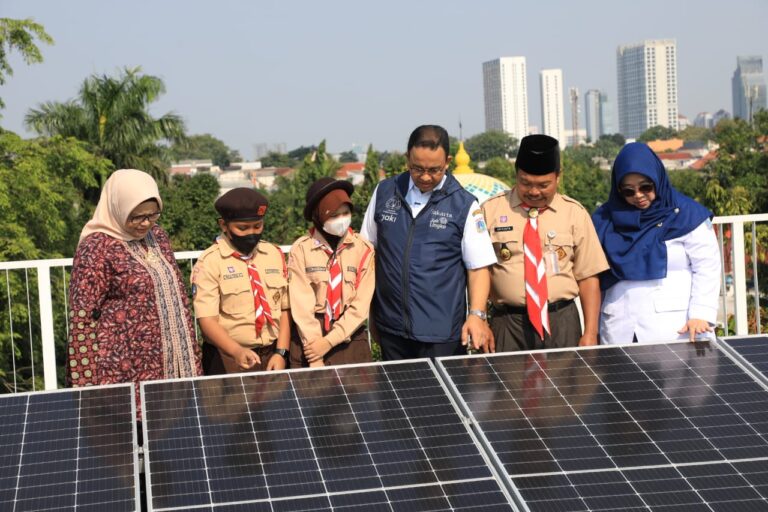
x,y
748,85
552,111
647,86
506,96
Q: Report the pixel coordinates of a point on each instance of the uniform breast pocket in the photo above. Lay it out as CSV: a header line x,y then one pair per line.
x,y
350,279
506,244
276,286
236,297
558,248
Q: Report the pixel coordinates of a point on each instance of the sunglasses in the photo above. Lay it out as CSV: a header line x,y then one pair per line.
x,y
645,188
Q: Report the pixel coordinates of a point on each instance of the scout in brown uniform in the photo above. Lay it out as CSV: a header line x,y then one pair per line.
x,y
331,273
240,291
535,309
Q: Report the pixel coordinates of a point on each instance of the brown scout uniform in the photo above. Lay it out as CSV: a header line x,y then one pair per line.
x,y
221,287
308,282
575,241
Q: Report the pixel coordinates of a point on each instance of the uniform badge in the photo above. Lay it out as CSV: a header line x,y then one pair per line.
x,y
505,253
533,213
560,253
276,297
231,270
503,218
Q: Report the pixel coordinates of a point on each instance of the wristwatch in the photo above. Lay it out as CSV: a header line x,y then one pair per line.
x,y
283,352
479,313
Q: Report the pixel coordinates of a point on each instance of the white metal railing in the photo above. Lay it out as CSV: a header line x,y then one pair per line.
x,y
41,341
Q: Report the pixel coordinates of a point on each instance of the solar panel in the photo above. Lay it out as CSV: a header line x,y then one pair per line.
x,y
625,427
72,449
752,351
381,436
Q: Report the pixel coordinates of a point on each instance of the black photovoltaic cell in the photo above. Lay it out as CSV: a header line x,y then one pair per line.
x,y
753,349
379,437
607,428
68,450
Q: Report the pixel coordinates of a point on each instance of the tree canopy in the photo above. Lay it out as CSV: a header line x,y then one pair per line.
x,y
205,147
348,157
484,146
19,36
657,132
112,115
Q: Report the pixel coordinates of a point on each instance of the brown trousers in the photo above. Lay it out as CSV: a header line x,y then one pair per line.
x,y
217,363
357,350
514,331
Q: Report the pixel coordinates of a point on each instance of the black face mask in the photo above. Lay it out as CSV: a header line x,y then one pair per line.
x,y
244,244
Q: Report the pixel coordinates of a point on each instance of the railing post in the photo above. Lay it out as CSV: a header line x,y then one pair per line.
x,y
739,278
46,325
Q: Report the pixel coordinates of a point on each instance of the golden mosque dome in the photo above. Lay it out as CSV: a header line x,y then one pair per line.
x,y
479,185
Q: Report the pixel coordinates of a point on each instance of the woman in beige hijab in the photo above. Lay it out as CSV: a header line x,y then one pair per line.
x,y
129,311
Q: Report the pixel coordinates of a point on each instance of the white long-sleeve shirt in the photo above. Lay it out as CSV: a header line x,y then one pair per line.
x,y
654,310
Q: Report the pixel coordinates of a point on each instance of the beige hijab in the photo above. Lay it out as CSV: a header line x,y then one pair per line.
x,y
124,190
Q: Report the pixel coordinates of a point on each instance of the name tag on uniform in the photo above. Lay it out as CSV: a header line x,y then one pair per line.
x,y
273,271
503,228
352,269
314,269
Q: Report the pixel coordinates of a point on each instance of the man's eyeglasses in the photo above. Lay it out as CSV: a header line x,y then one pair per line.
x,y
432,171
645,188
140,219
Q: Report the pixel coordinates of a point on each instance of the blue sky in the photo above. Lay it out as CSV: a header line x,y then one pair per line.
x,y
357,72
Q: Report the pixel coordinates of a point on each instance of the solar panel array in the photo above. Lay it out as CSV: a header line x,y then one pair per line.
x,y
382,436
638,427
752,351
71,449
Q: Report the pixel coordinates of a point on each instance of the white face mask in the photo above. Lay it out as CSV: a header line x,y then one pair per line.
x,y
337,226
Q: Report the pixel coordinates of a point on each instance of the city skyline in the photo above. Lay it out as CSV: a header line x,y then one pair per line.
x,y
298,72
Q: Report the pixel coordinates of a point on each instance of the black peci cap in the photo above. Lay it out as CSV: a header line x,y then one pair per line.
x,y
538,154
320,189
242,204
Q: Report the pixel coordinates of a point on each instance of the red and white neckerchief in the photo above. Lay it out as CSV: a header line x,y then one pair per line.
x,y
260,303
536,295
333,293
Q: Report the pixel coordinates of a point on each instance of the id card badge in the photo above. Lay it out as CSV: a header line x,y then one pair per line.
x,y
551,261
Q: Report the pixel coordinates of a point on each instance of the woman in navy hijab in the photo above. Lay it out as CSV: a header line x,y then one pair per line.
x,y
664,279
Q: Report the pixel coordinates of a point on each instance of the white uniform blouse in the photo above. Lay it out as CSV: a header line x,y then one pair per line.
x,y
656,309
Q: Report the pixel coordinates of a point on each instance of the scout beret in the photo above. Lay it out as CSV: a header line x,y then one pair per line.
x,y
320,189
538,154
241,204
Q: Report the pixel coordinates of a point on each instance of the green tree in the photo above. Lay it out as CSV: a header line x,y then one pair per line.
x,y
347,157
657,132
43,207
205,147
696,133
583,180
484,146
19,36
301,152
393,164
285,221
188,213
617,138
501,169
690,183
364,191
273,159
112,115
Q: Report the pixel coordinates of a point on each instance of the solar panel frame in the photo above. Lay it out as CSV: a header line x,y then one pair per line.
x,y
732,346
336,499
518,493
86,390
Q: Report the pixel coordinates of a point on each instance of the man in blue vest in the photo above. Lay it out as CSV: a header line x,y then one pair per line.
x,y
432,247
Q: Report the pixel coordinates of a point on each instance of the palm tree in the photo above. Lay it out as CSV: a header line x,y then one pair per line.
x,y
112,115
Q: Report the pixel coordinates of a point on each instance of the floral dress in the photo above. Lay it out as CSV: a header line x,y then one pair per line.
x,y
117,333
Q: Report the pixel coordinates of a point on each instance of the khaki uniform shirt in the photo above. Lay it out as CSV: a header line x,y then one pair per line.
x,y
579,253
221,287
308,285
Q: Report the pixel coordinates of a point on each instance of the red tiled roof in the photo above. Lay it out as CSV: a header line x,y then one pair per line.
x,y
680,155
702,162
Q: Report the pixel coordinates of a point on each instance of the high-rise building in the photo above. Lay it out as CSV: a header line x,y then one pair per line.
x,y
607,126
748,87
703,120
593,114
647,86
506,96
552,111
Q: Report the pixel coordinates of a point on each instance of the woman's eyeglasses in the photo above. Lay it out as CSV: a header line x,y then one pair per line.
x,y
140,219
645,188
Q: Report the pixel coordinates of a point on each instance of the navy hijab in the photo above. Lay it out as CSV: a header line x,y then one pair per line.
x,y
633,239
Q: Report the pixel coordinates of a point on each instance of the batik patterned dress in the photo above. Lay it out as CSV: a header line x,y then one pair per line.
x,y
124,327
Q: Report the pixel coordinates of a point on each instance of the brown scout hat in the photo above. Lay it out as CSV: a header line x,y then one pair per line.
x,y
242,204
322,187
